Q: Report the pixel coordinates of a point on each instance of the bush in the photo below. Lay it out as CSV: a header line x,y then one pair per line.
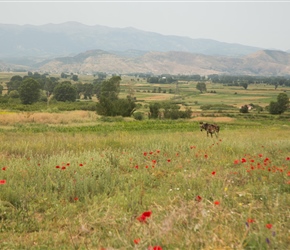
x,y
138,116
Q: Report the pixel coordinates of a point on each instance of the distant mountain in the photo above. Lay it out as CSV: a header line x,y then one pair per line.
x,y
264,62
70,38
75,47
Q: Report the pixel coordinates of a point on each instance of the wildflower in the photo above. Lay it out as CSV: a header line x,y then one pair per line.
x,y
76,198
213,172
153,161
168,160
136,166
191,147
236,162
198,198
205,156
2,182
144,216
155,248
4,168
260,155
137,241
267,240
68,164
288,159
80,164
217,203
244,160
145,153
269,226
288,174
57,166
63,167
250,220
158,151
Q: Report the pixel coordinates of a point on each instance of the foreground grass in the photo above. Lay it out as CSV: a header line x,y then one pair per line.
x,y
75,189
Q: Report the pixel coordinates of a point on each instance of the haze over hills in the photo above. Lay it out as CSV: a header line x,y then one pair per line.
x,y
74,47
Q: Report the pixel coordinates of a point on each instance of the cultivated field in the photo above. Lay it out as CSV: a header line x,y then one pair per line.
x,y
72,180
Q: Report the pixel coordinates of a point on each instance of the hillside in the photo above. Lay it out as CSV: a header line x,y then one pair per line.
x,y
71,38
263,62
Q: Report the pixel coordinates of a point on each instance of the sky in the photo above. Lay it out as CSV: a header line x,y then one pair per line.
x,y
263,24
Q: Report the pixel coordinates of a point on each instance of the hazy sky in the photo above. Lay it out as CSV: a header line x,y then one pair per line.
x,y
264,24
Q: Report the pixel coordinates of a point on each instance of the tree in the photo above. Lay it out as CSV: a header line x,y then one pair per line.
x,y
75,78
154,110
29,91
109,104
65,91
201,86
244,85
281,105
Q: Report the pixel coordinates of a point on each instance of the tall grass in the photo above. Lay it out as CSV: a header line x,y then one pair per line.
x,y
83,190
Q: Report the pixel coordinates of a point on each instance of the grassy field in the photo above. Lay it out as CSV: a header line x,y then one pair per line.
x,y
87,186
75,180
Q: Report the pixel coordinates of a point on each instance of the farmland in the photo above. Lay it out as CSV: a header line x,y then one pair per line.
x,y
75,180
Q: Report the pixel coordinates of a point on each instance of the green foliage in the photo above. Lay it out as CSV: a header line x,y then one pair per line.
x,y
154,112
109,103
244,109
65,91
138,116
280,106
14,94
201,86
29,91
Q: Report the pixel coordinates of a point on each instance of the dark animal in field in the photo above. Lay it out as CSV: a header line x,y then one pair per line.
x,y
210,128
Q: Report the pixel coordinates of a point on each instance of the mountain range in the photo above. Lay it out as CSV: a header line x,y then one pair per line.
x,y
75,47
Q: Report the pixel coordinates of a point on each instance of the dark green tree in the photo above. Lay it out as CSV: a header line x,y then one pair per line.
x,y
65,91
244,85
281,105
109,104
29,91
154,110
201,86
14,83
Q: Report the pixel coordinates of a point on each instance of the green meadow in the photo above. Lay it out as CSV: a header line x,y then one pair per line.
x,y
74,180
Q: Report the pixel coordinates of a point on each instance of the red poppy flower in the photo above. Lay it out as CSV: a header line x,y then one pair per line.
x,y
217,203
155,248
205,156
168,160
198,198
236,161
81,165
288,158
158,151
269,226
288,174
57,166
145,153
76,198
244,160
144,216
2,182
153,161
136,166
63,167
250,220
137,241
213,172
4,168
260,155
